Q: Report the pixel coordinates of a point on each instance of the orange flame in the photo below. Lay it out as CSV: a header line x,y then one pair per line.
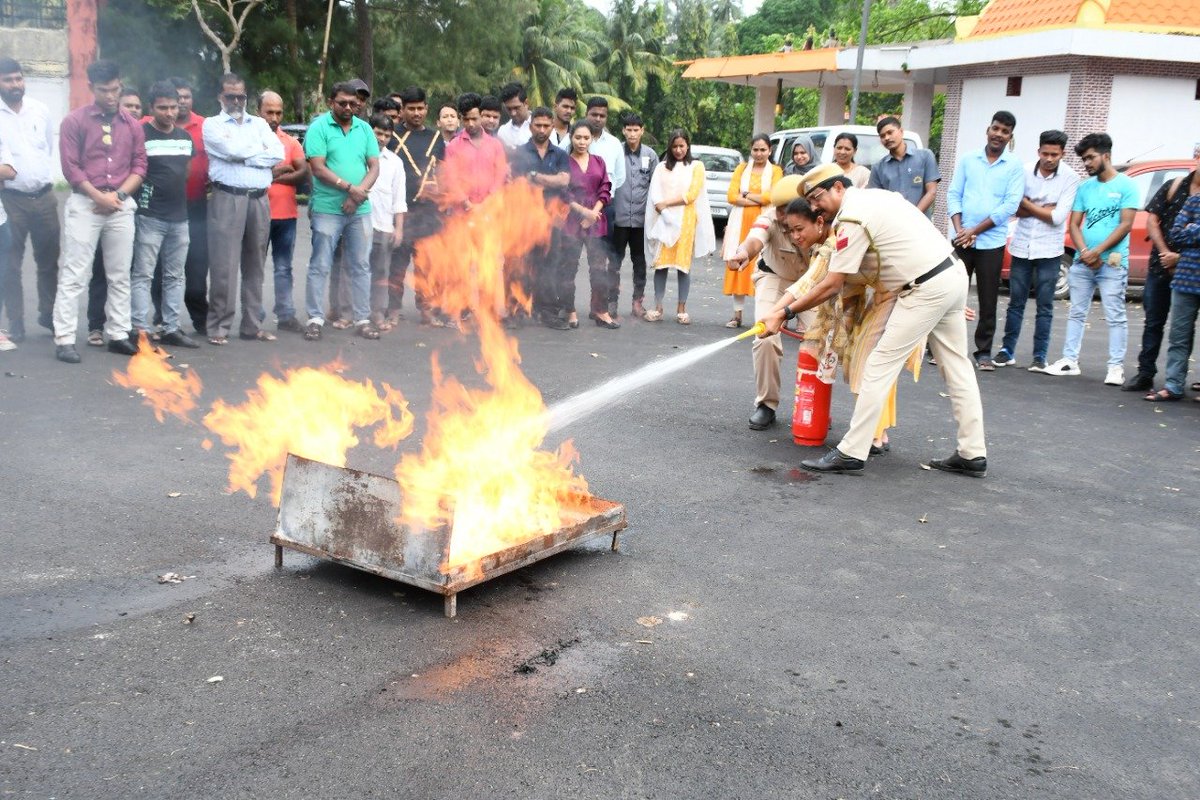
x,y
310,412
480,470
162,387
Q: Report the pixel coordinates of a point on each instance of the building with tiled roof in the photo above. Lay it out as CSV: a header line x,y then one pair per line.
x,y
1130,68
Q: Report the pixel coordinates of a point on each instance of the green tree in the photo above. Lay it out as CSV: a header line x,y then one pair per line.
x,y
780,17
632,52
557,43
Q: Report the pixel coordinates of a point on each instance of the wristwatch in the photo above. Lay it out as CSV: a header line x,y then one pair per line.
x,y
788,314
122,196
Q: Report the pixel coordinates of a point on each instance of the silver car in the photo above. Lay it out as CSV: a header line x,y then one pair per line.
x,y
719,164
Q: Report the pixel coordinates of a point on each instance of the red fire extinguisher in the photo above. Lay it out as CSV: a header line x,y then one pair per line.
x,y
810,417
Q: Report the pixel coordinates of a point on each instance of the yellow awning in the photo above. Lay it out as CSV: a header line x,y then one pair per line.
x,y
730,67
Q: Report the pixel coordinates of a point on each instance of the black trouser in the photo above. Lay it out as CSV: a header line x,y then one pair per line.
x,y
599,276
635,240
195,268
985,266
421,220
35,218
1156,302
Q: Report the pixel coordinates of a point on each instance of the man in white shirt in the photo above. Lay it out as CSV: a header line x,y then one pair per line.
x,y
565,103
515,132
28,131
612,151
388,207
242,150
1037,247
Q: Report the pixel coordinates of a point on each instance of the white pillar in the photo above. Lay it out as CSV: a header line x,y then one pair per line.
x,y
833,105
918,108
765,99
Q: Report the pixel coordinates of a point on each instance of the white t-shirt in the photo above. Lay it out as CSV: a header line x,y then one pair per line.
x,y
387,195
513,136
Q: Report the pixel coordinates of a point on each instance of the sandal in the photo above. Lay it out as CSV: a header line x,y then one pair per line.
x,y
683,318
96,338
340,324
367,331
313,332
1163,396
736,322
654,316
218,341
1196,386
261,336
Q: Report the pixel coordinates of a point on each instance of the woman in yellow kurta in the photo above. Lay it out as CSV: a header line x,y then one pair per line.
x,y
749,194
679,224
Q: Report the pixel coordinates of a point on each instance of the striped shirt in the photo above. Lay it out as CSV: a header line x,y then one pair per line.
x,y
241,154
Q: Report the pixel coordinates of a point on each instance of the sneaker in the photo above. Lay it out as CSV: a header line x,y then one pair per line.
x,y
1003,359
6,343
1115,376
1063,366
1038,365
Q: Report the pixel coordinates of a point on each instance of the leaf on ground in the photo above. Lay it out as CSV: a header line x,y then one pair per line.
x,y
649,622
677,616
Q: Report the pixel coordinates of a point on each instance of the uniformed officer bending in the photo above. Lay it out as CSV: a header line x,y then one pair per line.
x,y
918,262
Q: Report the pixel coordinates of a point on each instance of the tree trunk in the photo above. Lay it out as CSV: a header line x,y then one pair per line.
x,y
294,56
366,45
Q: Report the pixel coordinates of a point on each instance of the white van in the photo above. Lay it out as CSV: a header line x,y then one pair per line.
x,y
870,150
719,164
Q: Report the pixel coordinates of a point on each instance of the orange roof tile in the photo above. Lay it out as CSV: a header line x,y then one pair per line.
x,y
1002,17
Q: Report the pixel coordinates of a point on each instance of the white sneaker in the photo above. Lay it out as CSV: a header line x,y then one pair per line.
x,y
6,343
1063,366
1115,376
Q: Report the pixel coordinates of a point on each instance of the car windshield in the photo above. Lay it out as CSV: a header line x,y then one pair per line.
x,y
718,162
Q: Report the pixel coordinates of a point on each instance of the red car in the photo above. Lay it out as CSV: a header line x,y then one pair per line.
x,y
1149,176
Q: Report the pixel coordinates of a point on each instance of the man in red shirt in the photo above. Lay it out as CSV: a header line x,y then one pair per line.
x,y
476,164
195,293
293,171
103,152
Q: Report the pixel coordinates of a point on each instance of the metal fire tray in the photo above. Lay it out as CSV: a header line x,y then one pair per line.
x,y
349,517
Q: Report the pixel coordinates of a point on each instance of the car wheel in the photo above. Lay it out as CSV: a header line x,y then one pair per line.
x,y
1062,289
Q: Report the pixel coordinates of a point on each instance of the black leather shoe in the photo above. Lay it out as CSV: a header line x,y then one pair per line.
x,y
178,339
290,325
834,461
974,467
556,323
1138,383
123,347
880,449
611,324
762,418
67,354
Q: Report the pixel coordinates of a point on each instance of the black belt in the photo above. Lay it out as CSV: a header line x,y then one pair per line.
x,y
34,194
940,268
251,193
762,266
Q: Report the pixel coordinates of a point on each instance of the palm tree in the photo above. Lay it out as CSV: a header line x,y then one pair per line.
x,y
632,52
556,50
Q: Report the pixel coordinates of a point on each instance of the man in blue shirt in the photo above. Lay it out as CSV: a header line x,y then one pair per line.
x,y
985,192
1101,219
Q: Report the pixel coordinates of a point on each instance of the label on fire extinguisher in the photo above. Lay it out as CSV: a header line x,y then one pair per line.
x,y
827,371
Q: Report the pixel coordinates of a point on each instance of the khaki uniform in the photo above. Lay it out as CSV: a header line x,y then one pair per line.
x,y
787,266
908,246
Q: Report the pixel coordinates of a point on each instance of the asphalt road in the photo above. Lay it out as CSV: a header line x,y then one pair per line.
x,y
900,635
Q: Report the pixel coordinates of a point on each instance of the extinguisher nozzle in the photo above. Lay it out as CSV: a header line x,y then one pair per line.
x,y
755,330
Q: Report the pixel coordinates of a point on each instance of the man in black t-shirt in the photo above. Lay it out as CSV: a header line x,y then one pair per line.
x,y
162,220
420,150
1156,294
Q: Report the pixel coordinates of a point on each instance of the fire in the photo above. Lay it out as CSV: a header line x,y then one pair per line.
x,y
480,470
163,388
312,412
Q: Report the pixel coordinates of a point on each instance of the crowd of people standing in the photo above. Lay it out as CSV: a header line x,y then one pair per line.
x,y
171,217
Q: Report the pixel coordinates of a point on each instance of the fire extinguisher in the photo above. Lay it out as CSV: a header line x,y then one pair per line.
x,y
810,416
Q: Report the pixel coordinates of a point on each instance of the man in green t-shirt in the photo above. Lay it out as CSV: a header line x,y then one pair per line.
x,y
344,157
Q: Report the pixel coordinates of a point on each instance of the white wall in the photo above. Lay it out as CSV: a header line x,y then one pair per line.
x,y
1042,106
1153,118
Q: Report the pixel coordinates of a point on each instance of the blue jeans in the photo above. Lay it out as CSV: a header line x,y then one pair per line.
x,y
1184,308
157,239
1156,302
1042,273
1111,281
355,231
283,244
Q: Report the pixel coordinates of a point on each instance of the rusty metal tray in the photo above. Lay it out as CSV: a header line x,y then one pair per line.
x,y
349,517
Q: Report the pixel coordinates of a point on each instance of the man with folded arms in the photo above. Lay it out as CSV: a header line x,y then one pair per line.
x,y
242,153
